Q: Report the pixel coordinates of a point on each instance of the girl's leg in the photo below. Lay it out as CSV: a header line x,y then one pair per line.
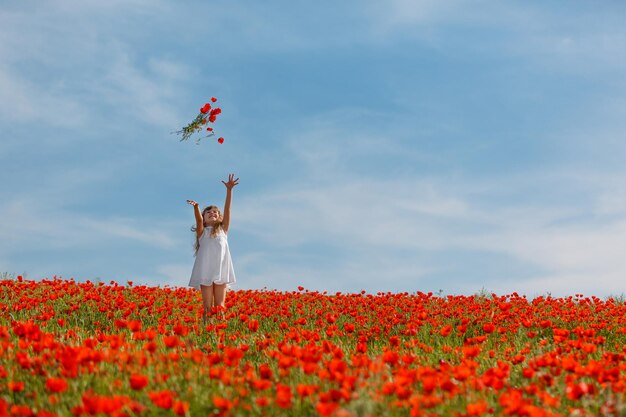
x,y
207,301
219,293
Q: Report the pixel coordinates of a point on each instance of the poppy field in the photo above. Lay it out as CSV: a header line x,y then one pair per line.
x,y
69,348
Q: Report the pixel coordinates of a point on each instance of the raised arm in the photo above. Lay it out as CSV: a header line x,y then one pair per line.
x,y
199,219
229,191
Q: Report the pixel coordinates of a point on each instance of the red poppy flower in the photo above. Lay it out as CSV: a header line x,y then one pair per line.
x,y
489,328
180,408
16,386
180,330
21,411
283,396
138,382
262,401
171,341
253,325
445,330
163,399
56,385
222,403
477,409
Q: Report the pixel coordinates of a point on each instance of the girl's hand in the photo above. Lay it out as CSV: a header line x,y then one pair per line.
x,y
231,182
193,203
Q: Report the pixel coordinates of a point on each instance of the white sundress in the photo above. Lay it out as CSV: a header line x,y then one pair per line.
x,y
213,263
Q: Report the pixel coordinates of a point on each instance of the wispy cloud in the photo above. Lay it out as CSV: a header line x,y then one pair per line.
x,y
581,40
382,217
272,271
393,222
48,215
89,71
173,275
149,95
31,104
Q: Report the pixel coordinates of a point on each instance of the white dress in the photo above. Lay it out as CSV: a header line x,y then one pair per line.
x,y
213,263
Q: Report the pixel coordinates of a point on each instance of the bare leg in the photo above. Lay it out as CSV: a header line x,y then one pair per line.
x,y
207,301
219,293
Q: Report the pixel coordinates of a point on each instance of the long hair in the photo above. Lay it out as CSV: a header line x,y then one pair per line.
x,y
215,229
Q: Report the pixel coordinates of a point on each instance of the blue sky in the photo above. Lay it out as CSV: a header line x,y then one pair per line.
x,y
381,146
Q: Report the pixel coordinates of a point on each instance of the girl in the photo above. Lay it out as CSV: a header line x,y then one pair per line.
x,y
213,268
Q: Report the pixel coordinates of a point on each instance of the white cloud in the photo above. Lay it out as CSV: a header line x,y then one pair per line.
x,y
414,218
395,13
92,68
566,283
43,216
426,19
172,275
573,41
612,203
29,224
30,104
559,223
148,96
379,272
359,210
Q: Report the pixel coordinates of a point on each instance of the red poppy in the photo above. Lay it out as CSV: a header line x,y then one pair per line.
x,y
445,330
489,328
262,401
16,386
283,396
180,330
171,341
163,399
56,385
21,411
138,382
253,325
134,325
222,403
306,390
390,357
180,408
477,409
265,371
326,409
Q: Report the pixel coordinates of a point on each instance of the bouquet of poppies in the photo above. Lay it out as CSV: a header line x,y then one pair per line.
x,y
208,114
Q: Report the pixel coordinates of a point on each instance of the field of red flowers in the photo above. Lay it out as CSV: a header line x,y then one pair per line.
x,y
83,349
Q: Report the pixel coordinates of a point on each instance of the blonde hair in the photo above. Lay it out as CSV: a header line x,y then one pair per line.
x,y
215,229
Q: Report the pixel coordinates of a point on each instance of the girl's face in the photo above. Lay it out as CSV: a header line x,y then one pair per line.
x,y
211,216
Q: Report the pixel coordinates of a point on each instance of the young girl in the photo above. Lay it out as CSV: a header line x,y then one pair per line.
x,y
213,269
